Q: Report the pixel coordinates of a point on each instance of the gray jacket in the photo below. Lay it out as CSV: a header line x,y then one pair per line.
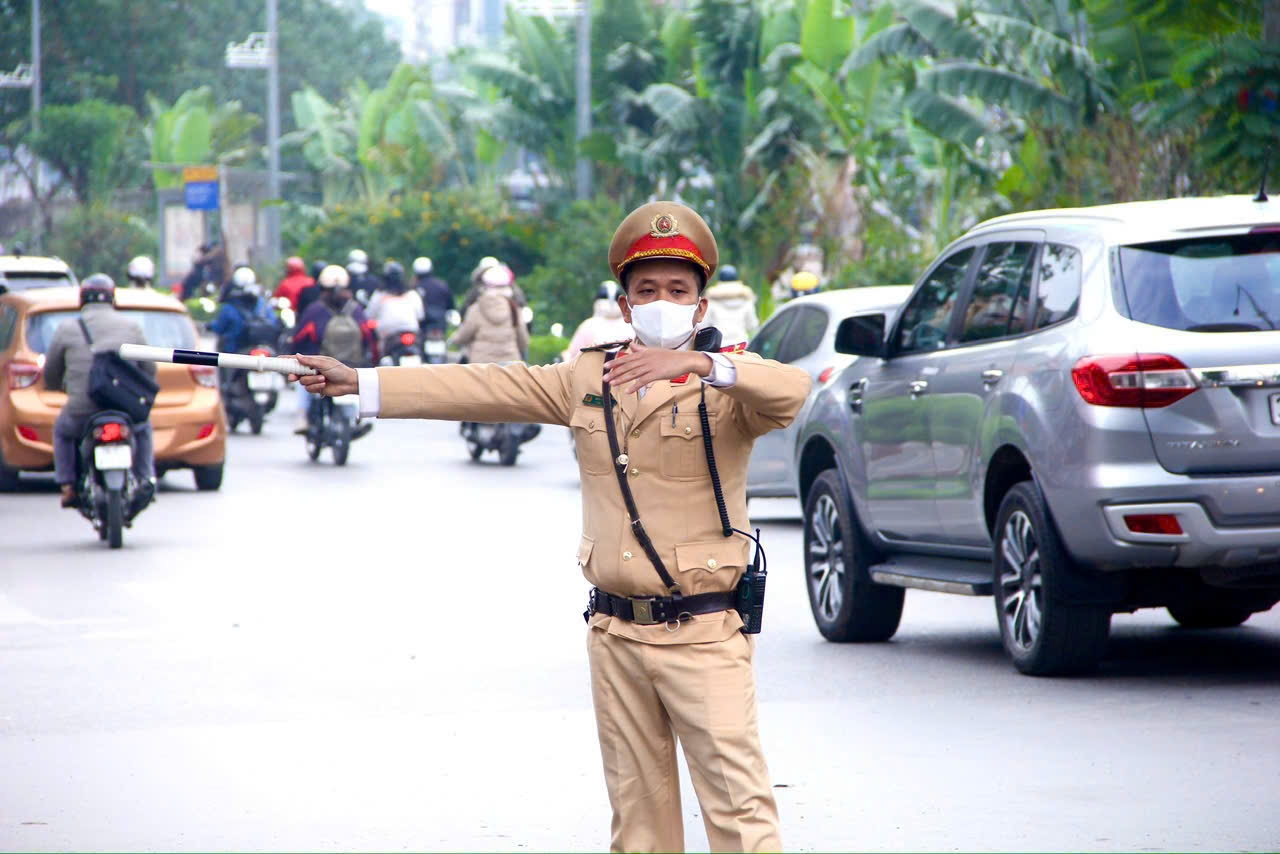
x,y
66,365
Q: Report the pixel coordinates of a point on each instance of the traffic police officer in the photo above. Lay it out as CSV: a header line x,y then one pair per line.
x,y
662,669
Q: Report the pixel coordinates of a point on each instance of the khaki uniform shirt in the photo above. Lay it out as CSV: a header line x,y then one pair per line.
x,y
661,433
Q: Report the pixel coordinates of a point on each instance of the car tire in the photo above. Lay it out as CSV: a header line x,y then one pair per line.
x,y
1043,635
208,478
1211,615
9,478
847,605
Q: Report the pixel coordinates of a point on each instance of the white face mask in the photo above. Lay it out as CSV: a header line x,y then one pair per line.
x,y
663,323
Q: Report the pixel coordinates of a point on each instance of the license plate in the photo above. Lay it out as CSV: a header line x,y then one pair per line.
x,y
1275,409
110,457
265,381
435,348
410,361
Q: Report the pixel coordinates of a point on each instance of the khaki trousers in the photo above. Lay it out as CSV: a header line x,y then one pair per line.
x,y
646,696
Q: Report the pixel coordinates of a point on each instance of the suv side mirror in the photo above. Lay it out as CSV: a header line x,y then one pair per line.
x,y
861,335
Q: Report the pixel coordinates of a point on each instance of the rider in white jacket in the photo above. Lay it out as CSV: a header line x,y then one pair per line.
x,y
731,308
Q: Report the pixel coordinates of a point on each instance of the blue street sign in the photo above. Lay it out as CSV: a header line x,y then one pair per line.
x,y
201,195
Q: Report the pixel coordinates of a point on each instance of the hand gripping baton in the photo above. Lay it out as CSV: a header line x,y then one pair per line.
x,y
241,361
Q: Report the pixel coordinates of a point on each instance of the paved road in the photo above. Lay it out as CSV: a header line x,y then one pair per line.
x,y
390,656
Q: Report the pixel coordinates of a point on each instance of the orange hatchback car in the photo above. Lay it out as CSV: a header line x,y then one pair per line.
x,y
188,420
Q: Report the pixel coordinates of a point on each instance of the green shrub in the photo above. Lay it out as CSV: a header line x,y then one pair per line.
x,y
455,228
576,260
96,239
544,349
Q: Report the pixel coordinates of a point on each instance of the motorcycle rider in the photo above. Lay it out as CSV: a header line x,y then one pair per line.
x,y
312,292
491,329
395,309
478,287
294,282
362,282
803,283
335,323
141,272
731,307
245,317
67,363
605,323
437,299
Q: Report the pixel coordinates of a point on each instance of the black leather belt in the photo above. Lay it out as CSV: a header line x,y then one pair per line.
x,y
651,610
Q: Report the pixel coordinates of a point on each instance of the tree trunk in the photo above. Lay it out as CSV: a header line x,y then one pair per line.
x,y
1271,22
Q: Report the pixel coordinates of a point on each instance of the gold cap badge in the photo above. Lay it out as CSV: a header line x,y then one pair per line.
x,y
664,225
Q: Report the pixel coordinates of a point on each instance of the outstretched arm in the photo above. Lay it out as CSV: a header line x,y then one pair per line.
x,y
490,393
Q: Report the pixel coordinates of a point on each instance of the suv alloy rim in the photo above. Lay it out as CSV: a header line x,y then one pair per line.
x,y
1021,583
826,558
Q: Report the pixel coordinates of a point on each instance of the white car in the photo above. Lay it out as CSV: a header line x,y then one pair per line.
x,y
802,333
22,272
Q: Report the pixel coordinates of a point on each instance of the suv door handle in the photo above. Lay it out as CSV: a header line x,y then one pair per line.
x,y
855,394
991,376
918,387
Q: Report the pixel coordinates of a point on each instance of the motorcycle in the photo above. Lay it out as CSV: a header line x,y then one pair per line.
x,y
249,395
505,439
330,426
107,493
402,350
265,386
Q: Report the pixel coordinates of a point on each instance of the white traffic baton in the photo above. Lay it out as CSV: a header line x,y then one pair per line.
x,y
240,361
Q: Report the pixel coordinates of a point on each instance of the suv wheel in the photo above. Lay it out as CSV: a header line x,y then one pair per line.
x,y
1043,636
208,478
1209,615
8,478
847,605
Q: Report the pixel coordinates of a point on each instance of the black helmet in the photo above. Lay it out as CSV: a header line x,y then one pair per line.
x,y
98,288
316,267
608,290
728,273
393,276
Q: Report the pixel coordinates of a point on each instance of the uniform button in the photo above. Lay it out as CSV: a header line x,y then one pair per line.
x,y
635,472
688,430
711,563
626,555
635,434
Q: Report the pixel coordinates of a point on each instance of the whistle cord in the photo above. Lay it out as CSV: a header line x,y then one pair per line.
x,y
711,462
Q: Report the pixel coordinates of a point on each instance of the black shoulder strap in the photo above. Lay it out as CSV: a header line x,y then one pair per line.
x,y
85,329
620,469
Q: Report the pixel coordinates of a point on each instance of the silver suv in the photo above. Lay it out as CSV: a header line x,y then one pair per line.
x,y
1076,412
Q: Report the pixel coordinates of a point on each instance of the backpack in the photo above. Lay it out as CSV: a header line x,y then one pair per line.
x,y
343,338
117,384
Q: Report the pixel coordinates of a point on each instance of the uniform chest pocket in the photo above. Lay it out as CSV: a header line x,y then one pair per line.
x,y
683,454
590,441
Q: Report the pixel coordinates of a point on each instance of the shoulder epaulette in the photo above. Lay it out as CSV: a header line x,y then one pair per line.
x,y
740,347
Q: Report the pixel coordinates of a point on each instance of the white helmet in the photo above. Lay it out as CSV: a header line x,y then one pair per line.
x,y
499,276
333,276
142,269
358,256
244,276
421,266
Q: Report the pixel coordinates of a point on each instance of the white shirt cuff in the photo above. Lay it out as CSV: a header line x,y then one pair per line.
x,y
370,393
723,373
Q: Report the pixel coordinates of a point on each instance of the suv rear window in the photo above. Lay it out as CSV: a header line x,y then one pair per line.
x,y
27,281
160,328
1205,284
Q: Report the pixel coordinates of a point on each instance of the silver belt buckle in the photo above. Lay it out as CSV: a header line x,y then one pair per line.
x,y
642,612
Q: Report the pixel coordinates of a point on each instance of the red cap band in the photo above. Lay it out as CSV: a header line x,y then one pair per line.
x,y
679,248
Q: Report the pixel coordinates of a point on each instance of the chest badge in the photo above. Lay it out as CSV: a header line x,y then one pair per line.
x,y
593,400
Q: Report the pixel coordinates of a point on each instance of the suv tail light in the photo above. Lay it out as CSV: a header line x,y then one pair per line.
x,y
1144,380
1153,523
112,431
827,373
204,375
23,374
408,338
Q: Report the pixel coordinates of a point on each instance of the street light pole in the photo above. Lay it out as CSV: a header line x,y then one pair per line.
x,y
583,87
35,96
273,134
